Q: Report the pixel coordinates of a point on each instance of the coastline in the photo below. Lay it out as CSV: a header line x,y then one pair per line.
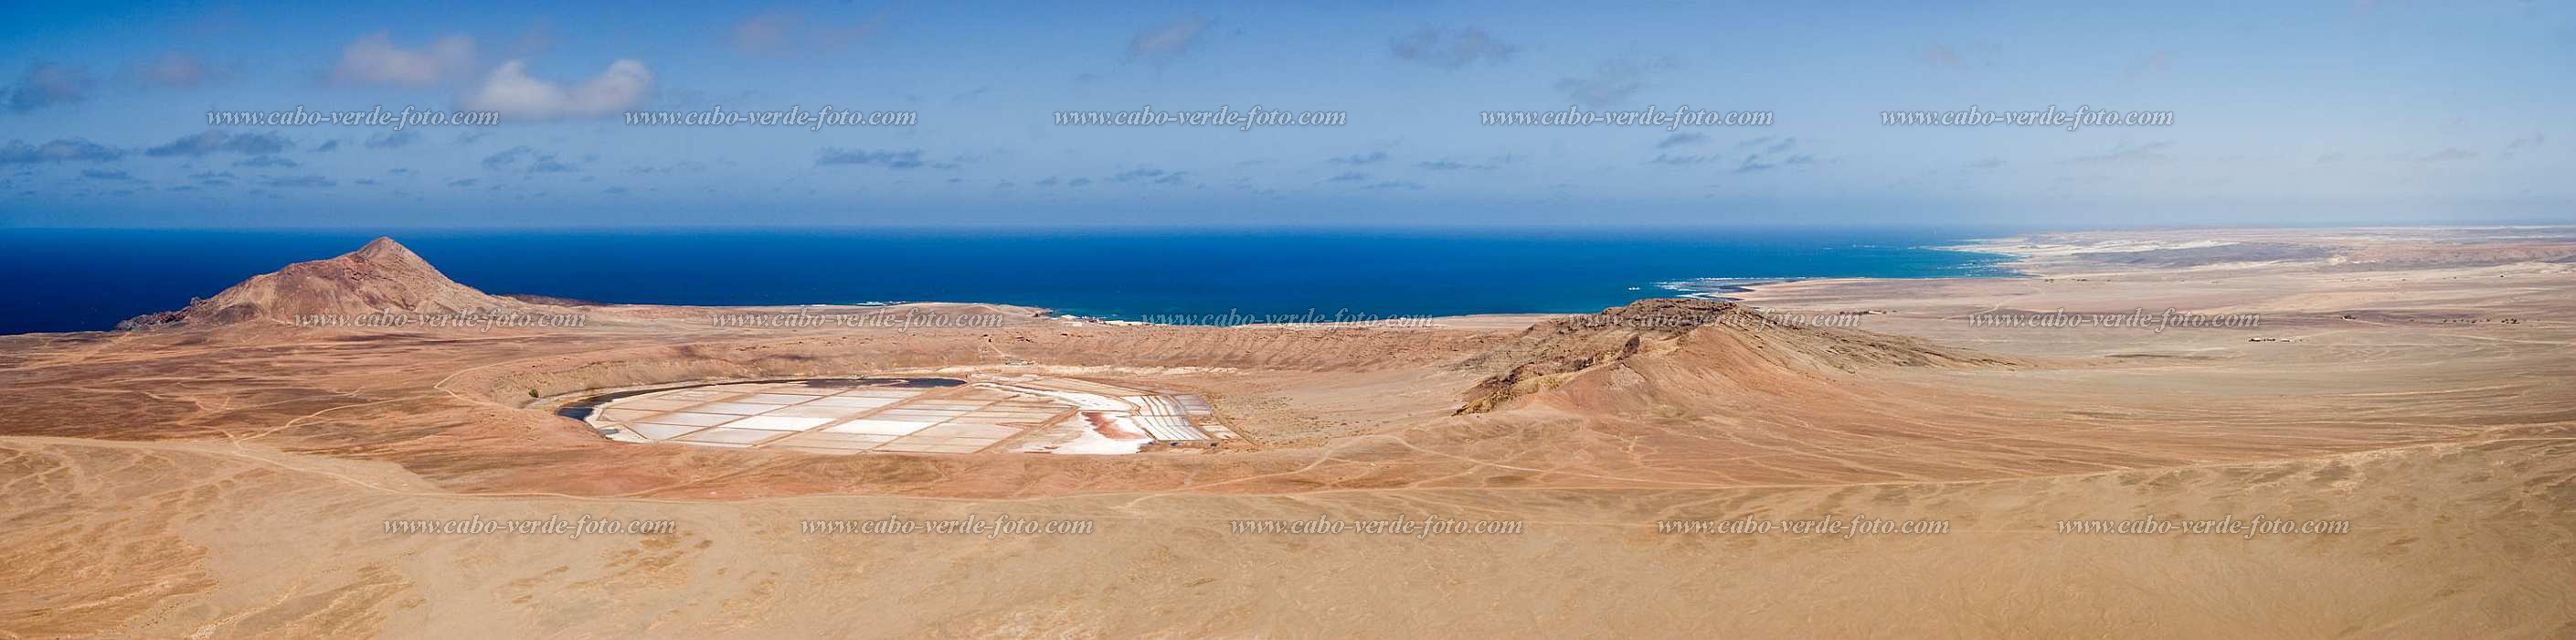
x,y
1261,276
2055,255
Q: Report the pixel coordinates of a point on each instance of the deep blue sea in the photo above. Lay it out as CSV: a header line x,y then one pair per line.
x,y
74,280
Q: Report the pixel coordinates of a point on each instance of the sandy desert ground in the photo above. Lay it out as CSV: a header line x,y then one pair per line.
x,y
232,469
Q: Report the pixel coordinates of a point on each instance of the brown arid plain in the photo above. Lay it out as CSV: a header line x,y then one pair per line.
x,y
228,470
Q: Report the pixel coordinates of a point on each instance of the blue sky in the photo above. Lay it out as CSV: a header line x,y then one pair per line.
x,y
2284,113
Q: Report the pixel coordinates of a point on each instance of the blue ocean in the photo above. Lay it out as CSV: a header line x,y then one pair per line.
x,y
78,280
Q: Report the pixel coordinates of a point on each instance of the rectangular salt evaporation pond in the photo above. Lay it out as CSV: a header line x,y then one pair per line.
x,y
656,404
693,419
879,393
777,423
879,427
1169,428
918,414
723,435
809,411
954,430
622,414
1022,414
1085,401
735,408
848,401
1154,405
662,431
947,404
998,421
830,439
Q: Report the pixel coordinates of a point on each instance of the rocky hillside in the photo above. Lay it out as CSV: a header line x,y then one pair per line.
x,y
1662,351
381,278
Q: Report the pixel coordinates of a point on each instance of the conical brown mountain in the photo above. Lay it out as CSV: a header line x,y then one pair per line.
x,y
381,278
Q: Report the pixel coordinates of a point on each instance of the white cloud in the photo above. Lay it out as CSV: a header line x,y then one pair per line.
x,y
174,70
766,34
374,59
510,90
1452,49
1614,81
1168,42
46,84
782,35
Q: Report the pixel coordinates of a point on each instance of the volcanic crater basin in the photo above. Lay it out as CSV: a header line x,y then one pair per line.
x,y
919,415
